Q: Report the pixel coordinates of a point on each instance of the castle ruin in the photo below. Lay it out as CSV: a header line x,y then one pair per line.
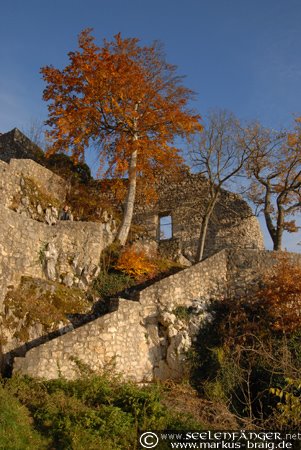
x,y
142,338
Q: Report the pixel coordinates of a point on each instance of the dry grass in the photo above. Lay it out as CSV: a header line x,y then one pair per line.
x,y
183,398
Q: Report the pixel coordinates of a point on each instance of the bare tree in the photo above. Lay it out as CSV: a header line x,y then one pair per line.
x,y
275,173
36,132
220,157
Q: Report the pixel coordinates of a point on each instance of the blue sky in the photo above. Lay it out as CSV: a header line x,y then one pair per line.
x,y
242,55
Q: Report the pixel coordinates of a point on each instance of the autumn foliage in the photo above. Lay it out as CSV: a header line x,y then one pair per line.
x,y
127,102
275,307
250,355
136,263
281,297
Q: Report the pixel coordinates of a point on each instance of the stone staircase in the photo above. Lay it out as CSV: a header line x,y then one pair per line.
x,y
144,339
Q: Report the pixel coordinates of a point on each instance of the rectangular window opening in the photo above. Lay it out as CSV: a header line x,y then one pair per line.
x,y
165,227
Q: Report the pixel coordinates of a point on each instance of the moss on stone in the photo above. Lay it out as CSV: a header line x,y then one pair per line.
x,y
34,195
37,301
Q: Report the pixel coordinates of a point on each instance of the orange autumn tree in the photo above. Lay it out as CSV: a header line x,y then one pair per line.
x,y
126,101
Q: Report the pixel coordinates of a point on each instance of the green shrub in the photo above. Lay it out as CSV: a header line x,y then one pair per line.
x,y
288,412
143,404
94,412
16,428
108,284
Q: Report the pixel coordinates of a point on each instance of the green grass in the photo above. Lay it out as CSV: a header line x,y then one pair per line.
x,y
90,413
16,427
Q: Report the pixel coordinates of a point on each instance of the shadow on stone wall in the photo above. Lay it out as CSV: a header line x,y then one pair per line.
x,y
100,308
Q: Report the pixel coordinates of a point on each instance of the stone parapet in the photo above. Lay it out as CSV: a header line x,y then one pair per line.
x,y
115,342
44,178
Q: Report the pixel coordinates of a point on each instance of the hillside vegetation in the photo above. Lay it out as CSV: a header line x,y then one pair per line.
x,y
95,412
249,357
245,373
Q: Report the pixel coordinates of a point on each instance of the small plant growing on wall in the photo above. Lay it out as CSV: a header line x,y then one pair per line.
x,y
182,313
42,254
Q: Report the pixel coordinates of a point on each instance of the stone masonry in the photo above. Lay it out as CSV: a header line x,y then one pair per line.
x,y
144,339
14,174
116,341
182,202
15,145
66,252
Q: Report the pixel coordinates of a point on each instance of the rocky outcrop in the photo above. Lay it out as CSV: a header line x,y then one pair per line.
x,y
67,252
34,243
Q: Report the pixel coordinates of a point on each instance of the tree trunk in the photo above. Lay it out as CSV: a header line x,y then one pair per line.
x,y
279,231
124,229
201,244
204,227
268,219
278,242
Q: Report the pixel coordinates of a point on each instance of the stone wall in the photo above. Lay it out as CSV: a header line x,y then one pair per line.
x,y
232,223
208,278
34,243
15,144
141,339
146,339
30,189
44,178
129,338
67,251
116,341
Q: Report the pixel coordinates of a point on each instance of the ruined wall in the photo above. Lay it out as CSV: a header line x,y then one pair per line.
x,y
142,339
232,223
34,243
208,278
44,178
146,339
31,190
129,339
15,144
